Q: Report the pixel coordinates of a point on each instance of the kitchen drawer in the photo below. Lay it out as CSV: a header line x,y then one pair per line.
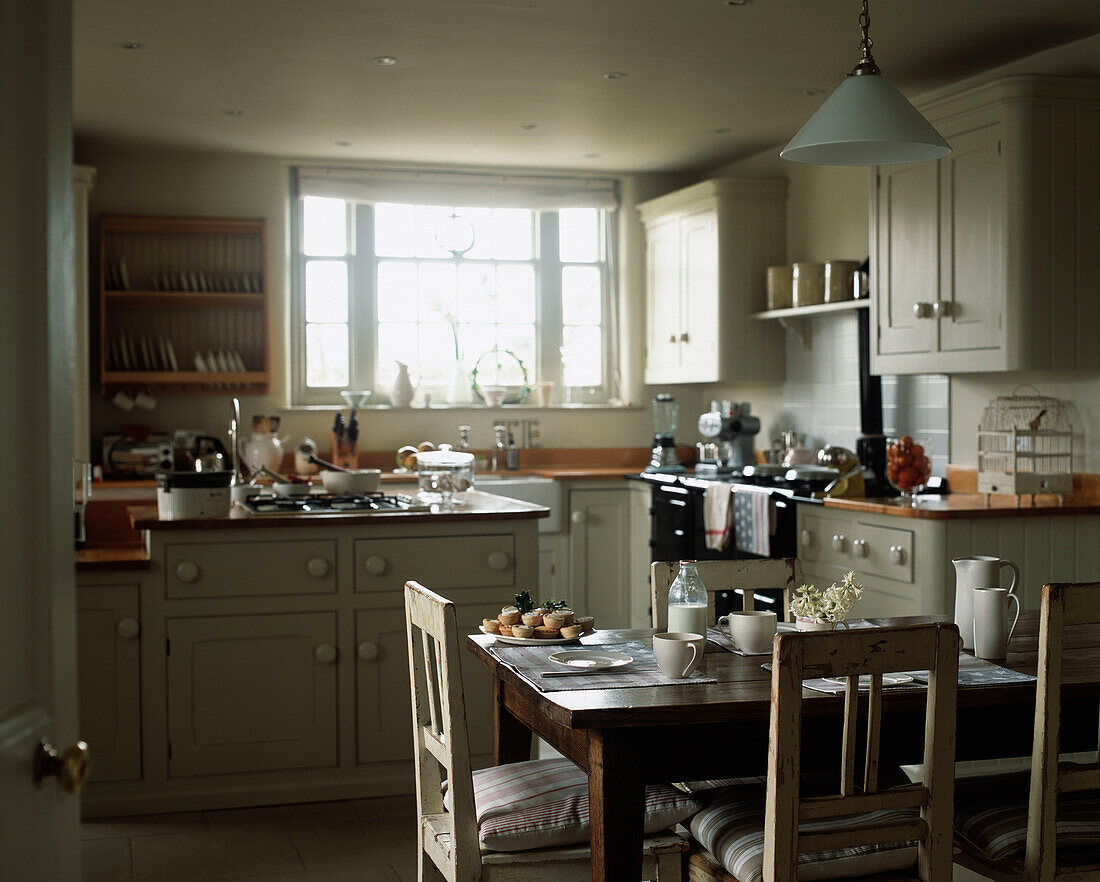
x,y
440,562
248,569
844,541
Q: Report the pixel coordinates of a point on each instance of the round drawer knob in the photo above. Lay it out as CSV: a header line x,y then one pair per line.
x,y
128,629
578,517
941,309
325,654
497,560
897,554
922,310
187,571
375,565
839,542
317,567
807,539
859,547
369,651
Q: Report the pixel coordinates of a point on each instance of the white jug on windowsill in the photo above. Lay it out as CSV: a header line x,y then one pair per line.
x,y
403,388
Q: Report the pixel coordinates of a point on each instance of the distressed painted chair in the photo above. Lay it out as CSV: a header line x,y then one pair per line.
x,y
783,573
450,838
1046,825
862,832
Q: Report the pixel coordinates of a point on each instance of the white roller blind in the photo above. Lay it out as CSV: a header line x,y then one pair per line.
x,y
542,192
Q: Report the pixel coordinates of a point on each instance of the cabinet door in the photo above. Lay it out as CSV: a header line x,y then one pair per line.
x,y
663,325
972,181
906,258
108,668
249,693
552,565
699,297
599,555
383,702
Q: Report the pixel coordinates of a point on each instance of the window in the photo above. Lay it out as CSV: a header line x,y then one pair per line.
x,y
512,292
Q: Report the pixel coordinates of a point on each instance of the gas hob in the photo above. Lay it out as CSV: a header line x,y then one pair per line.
x,y
322,504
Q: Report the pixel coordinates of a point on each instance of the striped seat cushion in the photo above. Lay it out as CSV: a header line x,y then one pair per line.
x,y
991,817
544,803
732,829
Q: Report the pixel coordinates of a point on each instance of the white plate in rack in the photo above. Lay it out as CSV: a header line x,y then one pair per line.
x,y
535,641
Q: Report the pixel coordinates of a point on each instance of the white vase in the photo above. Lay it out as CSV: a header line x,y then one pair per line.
x,y
802,624
459,391
403,388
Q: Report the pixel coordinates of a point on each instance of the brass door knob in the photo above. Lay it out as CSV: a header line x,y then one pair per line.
x,y
70,768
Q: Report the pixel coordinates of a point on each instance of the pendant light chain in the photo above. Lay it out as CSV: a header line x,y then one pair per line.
x,y
866,64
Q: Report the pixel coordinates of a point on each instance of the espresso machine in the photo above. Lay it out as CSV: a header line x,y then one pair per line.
x,y
730,429
664,428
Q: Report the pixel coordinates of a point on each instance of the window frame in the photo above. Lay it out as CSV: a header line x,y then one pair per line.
x,y
362,308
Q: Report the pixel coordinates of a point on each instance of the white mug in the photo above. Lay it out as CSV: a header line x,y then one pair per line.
x,y
678,654
991,631
976,571
751,629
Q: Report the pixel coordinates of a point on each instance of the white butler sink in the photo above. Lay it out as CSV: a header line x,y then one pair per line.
x,y
538,491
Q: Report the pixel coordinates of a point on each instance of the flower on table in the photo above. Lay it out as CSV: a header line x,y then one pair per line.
x,y
830,604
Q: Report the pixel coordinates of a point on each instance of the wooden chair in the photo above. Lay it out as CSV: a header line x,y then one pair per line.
x,y
783,573
839,821
448,840
1036,809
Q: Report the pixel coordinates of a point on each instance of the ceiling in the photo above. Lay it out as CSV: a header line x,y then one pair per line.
x,y
706,81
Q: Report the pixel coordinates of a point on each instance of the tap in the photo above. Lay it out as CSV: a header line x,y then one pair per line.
x,y
531,434
464,438
500,431
511,455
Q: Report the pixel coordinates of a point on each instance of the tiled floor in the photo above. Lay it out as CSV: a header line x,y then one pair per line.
x,y
364,839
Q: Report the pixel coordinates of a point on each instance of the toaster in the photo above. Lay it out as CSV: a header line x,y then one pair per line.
x,y
123,457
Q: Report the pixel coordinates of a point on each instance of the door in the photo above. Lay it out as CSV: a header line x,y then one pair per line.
x,y
250,693
974,238
662,300
599,555
699,297
906,257
38,824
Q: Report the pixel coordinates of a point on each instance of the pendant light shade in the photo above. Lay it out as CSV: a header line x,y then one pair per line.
x,y
866,121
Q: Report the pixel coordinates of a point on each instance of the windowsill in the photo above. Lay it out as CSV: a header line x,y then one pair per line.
x,y
478,408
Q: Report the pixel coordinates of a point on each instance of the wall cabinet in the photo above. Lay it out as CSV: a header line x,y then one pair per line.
x,y
982,261
108,633
707,250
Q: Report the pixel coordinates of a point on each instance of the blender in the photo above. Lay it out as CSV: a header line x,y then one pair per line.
x,y
664,427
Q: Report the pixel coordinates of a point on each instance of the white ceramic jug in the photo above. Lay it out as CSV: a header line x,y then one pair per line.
x,y
264,449
976,571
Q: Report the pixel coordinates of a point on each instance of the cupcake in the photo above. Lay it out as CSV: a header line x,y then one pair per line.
x,y
554,620
505,630
491,626
571,631
587,623
522,631
567,614
547,633
509,615
533,619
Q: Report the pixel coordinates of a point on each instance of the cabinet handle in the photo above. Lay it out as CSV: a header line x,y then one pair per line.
x,y
578,517
128,629
684,337
187,571
922,310
807,539
497,560
317,567
859,547
840,542
671,338
897,554
376,565
941,309
325,654
368,651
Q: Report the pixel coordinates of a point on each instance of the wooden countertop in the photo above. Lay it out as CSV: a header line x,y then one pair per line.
x,y
111,557
967,505
477,506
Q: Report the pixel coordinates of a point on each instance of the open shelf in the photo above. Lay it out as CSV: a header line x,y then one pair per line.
x,y
183,300
796,319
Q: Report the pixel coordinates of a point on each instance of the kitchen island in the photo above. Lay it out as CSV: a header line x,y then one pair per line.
x,y
261,659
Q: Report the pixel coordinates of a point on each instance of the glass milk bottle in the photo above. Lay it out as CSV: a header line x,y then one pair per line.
x,y
687,602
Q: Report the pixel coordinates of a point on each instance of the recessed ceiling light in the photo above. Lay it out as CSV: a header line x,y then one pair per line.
x,y
233,112
614,75
813,93
529,126
591,155
722,131
385,60
132,45
738,2
343,143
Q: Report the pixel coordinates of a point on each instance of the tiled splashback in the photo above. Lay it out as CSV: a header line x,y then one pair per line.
x,y
821,392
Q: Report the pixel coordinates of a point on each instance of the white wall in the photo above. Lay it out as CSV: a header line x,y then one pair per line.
x,y
135,179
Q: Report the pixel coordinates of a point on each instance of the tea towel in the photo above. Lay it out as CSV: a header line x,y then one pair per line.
x,y
718,514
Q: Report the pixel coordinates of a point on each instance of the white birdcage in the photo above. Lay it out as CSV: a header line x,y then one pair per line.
x,y
1025,445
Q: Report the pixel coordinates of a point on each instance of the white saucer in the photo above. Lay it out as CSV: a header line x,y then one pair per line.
x,y
591,659
865,680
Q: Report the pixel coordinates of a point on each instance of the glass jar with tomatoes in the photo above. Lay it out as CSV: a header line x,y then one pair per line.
x,y
908,465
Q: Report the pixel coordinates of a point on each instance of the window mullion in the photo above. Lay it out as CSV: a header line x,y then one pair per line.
x,y
549,334
363,314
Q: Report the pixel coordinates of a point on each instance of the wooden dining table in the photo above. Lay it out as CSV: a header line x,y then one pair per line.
x,y
628,738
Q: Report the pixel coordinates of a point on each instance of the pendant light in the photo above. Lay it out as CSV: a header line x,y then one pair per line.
x,y
866,121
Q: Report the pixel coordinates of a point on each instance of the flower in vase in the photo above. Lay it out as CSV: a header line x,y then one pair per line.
x,y
831,604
